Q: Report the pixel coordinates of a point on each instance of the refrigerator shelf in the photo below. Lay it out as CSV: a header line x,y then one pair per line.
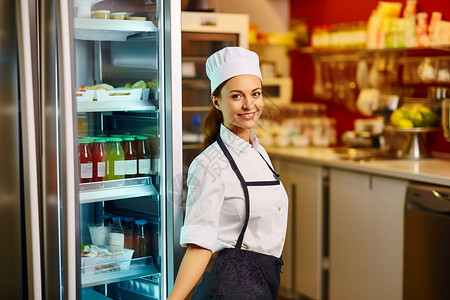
x,y
116,105
109,30
139,267
116,189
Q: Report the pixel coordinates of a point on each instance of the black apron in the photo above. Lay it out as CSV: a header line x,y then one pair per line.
x,y
237,273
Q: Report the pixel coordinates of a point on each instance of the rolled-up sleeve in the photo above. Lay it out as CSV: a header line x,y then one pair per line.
x,y
204,201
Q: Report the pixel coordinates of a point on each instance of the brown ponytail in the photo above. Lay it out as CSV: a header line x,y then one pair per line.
x,y
211,124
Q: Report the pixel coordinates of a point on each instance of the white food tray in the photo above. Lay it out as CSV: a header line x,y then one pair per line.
x,y
101,264
87,95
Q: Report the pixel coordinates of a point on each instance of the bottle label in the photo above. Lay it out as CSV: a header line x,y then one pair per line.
x,y
101,168
86,170
131,167
144,166
116,240
119,167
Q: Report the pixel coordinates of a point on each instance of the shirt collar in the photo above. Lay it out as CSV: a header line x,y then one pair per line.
x,y
232,140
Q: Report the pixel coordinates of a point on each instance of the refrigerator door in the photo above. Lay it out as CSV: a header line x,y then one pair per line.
x,y
128,89
13,199
58,185
19,202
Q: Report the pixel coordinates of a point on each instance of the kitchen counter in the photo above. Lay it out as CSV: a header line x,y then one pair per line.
x,y
431,170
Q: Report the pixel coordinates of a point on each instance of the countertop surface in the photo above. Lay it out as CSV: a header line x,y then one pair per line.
x,y
429,170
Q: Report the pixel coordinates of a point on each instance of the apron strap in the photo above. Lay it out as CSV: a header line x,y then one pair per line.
x,y
277,176
244,187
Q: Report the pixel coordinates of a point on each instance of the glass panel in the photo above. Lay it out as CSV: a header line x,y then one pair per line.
x,y
118,84
196,93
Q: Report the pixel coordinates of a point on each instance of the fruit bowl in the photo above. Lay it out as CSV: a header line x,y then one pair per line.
x,y
415,146
417,113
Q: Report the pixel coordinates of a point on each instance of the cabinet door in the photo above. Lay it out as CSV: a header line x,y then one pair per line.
x,y
303,250
366,236
349,205
386,218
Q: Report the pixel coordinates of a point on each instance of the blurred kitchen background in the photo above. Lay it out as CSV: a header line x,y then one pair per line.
x,y
334,70
367,80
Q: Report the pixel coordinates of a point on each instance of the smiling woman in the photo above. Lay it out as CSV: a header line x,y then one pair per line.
x,y
236,204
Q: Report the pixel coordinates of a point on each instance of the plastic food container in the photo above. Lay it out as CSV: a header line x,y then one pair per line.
x,y
138,18
100,14
118,16
107,264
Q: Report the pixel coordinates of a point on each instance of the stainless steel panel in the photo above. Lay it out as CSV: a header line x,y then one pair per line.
x,y
426,243
13,270
50,154
26,32
60,209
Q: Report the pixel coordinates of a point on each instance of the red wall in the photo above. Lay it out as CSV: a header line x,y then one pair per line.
x,y
320,12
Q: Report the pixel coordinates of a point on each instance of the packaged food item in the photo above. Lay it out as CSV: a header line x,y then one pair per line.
x,y
115,159
435,18
118,16
137,18
85,161
100,14
410,9
129,232
422,30
82,125
116,235
142,243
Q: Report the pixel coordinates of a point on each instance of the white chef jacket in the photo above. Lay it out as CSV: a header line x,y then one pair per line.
x,y
215,205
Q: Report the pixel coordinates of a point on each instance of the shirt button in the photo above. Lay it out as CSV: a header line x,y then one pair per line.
x,y
279,208
282,239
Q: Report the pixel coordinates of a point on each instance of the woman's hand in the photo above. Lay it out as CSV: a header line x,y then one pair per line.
x,y
192,267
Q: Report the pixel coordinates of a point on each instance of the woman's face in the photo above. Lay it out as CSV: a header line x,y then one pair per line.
x,y
241,103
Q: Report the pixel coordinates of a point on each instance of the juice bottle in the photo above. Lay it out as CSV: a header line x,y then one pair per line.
x,y
99,159
143,156
128,230
142,242
115,159
84,161
130,157
82,125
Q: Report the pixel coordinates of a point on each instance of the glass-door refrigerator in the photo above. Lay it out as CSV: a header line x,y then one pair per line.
x,y
91,157
128,142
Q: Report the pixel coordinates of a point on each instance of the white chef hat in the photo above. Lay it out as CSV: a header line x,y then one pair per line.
x,y
230,62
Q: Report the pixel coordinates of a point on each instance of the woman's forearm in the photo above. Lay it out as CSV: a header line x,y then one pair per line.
x,y
191,270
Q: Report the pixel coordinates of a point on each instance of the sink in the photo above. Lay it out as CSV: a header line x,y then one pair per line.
x,y
363,154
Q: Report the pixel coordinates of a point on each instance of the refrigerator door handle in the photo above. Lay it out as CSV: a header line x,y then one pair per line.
x,y
69,173
29,149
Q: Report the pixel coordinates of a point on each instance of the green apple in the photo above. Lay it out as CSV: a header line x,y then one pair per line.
x,y
139,85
